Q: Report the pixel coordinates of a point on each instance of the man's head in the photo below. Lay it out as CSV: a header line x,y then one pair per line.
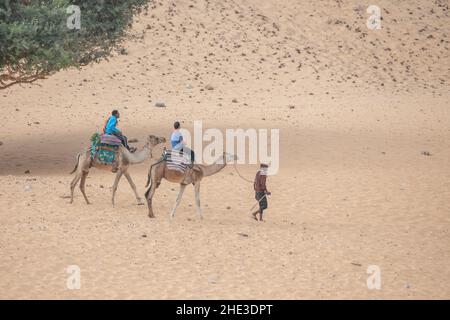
x,y
116,113
264,167
176,125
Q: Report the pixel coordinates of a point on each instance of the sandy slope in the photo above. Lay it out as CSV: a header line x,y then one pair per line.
x,y
356,109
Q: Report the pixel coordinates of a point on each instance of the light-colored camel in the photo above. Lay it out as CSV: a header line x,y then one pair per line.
x,y
194,175
126,158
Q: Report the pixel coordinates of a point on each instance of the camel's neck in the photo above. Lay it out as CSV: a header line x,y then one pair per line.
x,y
213,168
138,156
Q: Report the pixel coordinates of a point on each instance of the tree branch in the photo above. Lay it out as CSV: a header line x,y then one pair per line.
x,y
8,79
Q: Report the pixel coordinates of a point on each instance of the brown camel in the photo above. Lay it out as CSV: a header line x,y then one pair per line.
x,y
126,158
193,175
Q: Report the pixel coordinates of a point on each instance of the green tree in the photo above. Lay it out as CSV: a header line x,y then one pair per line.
x,y
35,39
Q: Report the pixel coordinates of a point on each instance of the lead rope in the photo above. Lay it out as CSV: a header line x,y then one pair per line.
x,y
237,171
257,202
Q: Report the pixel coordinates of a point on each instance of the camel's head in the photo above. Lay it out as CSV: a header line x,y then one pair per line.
x,y
155,140
230,157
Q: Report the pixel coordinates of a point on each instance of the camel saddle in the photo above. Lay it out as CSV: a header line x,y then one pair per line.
x,y
109,139
105,148
177,160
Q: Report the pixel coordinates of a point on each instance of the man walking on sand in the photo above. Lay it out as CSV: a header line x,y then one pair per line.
x,y
261,192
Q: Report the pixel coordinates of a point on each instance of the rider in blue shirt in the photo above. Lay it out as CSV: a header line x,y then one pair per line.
x,y
178,143
111,128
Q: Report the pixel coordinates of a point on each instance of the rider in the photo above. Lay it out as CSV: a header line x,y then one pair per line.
x,y
111,128
178,143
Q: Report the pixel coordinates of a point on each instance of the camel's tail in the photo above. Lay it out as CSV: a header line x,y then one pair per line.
x,y
76,166
149,177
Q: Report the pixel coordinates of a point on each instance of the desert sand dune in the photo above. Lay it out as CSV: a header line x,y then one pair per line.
x,y
364,174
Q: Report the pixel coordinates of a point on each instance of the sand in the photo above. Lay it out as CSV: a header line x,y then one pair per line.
x,y
364,146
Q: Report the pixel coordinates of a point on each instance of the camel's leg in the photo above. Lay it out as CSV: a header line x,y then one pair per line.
x,y
180,194
197,199
114,187
73,184
84,175
133,186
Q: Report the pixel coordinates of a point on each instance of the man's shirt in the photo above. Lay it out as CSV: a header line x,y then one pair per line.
x,y
260,181
111,126
176,140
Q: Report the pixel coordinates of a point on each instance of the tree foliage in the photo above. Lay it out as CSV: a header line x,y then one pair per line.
x,y
35,39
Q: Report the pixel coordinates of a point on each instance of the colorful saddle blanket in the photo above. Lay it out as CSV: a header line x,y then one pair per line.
x,y
105,153
110,139
176,160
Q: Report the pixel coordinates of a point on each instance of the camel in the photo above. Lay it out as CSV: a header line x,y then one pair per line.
x,y
126,158
194,175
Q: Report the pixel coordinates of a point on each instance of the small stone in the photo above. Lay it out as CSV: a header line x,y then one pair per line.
x,y
133,140
209,87
234,100
243,234
27,172
28,188
426,153
160,104
228,208
144,236
1,143
212,280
